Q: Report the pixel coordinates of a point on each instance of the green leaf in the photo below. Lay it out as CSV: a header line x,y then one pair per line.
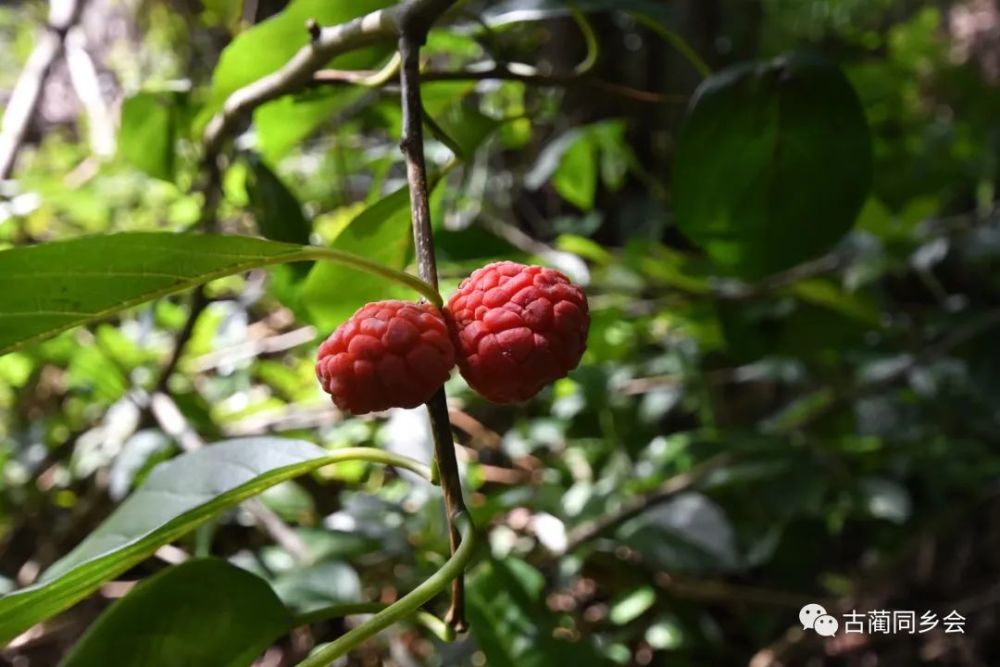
x,y
270,44
632,606
202,613
772,164
178,496
48,288
316,586
283,123
511,623
466,126
279,215
380,233
576,178
148,132
51,287
573,161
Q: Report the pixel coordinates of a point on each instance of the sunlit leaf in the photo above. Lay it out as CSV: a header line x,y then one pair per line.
x,y
148,132
48,288
270,44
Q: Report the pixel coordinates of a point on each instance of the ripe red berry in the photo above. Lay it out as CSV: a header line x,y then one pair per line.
x,y
516,329
389,354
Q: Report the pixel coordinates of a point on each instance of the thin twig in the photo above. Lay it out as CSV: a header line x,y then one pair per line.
x,y
412,146
326,43
199,301
503,73
28,89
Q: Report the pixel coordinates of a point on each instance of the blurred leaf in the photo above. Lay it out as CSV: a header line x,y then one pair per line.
x,y
278,213
381,233
286,121
269,45
632,606
827,294
689,533
511,623
320,585
51,287
148,133
466,126
772,165
574,160
576,178
178,496
516,11
202,613
289,501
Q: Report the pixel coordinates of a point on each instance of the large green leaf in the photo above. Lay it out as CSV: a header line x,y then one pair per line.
x,y
202,613
51,287
772,165
269,45
178,496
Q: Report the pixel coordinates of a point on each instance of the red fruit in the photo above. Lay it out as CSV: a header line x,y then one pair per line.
x,y
389,354
516,329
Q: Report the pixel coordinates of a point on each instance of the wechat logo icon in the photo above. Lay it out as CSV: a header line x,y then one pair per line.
x,y
814,617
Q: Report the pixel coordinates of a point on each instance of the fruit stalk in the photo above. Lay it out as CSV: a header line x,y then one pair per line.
x,y
412,145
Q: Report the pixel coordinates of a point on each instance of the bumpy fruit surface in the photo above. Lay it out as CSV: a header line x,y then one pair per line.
x,y
516,329
389,354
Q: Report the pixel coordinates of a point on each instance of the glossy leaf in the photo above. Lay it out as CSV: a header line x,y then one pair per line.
x,y
178,496
202,613
772,165
51,287
48,288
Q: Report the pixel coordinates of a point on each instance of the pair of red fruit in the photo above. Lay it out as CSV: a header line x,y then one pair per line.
x,y
512,328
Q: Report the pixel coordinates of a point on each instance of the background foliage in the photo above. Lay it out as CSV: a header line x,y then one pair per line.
x,y
790,391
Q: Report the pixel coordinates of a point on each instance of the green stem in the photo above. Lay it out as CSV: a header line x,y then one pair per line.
x,y
440,629
405,606
354,261
676,41
336,611
375,455
589,38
